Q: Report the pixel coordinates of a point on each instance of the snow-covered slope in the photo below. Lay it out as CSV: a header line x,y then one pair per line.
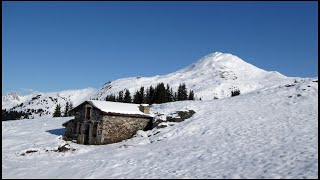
x,y
45,101
215,75
12,99
268,133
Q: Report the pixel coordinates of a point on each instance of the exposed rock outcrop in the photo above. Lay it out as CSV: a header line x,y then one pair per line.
x,y
176,117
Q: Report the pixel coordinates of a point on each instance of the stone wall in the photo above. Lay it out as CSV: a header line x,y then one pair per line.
x,y
80,113
69,133
118,128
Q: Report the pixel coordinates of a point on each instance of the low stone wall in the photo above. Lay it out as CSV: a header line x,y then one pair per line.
x,y
70,130
117,128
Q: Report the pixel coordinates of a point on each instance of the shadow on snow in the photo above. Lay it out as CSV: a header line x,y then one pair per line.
x,y
57,132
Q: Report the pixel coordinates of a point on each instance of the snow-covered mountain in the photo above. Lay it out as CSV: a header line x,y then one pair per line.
x,y
43,104
12,99
270,133
214,75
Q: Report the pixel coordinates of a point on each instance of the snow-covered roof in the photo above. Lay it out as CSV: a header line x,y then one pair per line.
x,y
116,107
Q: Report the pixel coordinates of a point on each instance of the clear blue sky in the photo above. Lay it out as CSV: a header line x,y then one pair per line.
x,y
52,46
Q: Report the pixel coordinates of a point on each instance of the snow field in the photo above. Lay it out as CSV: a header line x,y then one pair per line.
x,y
262,134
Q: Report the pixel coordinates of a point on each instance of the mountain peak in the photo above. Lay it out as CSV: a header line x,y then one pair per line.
x,y
10,96
215,54
219,61
219,56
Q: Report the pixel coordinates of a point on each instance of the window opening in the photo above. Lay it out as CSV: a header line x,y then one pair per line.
x,y
88,112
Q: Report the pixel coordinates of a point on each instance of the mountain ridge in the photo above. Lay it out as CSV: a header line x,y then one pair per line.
x,y
216,71
212,76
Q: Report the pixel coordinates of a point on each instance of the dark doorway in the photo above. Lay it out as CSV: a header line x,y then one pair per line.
x,y
86,134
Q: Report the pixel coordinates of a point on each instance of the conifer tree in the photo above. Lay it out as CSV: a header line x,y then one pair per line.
x,y
141,95
127,97
108,98
113,98
235,92
66,111
150,95
57,111
146,99
175,96
169,92
70,106
160,94
120,96
136,97
191,95
182,92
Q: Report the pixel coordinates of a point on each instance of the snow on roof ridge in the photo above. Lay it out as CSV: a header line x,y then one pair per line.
x,y
117,107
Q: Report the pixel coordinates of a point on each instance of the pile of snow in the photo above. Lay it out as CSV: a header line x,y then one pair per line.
x,y
272,133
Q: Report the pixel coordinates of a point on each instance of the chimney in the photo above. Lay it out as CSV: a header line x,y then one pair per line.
x,y
145,108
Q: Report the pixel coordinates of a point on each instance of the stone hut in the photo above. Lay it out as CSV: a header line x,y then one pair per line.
x,y
104,122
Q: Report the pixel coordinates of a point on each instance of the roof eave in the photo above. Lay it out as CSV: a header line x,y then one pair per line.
x,y
126,115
